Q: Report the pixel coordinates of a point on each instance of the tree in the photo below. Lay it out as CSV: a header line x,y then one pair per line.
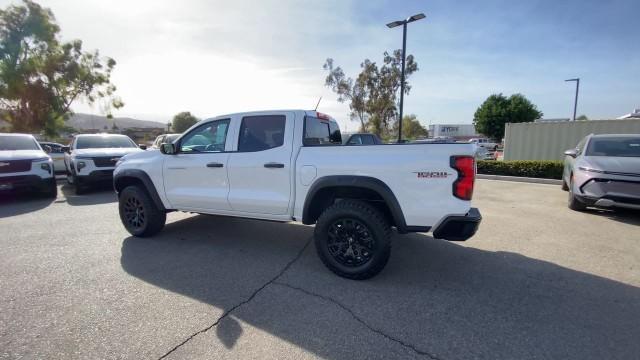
x,y
582,117
41,77
372,96
182,121
412,129
490,118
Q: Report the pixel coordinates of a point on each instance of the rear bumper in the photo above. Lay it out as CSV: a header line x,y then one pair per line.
x,y
25,182
459,227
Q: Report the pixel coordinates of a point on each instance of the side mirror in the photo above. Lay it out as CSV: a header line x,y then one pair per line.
x,y
572,152
142,146
47,149
168,148
66,149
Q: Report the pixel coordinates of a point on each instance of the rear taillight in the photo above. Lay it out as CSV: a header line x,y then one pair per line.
x,y
463,186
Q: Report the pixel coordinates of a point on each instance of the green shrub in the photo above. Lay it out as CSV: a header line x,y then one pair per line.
x,y
526,168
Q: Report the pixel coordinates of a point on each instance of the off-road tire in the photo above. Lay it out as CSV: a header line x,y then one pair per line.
x,y
148,220
377,228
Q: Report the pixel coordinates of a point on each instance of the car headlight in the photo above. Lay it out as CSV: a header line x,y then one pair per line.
x,y
45,163
120,161
46,166
80,165
590,170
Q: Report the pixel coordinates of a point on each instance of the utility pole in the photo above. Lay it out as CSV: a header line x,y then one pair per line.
x,y
404,55
575,103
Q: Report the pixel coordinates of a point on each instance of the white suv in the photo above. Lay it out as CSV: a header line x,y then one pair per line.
x,y
485,143
91,158
25,166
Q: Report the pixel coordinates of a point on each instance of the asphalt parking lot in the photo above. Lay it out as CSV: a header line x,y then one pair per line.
x,y
538,281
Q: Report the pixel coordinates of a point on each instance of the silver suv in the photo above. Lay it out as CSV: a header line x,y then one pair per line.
x,y
603,171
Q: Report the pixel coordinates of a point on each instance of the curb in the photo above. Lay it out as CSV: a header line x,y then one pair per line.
x,y
520,179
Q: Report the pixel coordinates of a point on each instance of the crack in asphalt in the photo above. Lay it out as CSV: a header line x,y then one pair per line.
x,y
247,300
360,320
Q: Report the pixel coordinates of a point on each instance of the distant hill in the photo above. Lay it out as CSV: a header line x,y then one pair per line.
x,y
88,121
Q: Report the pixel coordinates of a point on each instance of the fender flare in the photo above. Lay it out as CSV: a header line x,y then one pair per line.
x,y
365,182
146,181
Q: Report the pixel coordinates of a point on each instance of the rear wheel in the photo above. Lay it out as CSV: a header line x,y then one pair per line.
x,y
353,239
139,214
574,203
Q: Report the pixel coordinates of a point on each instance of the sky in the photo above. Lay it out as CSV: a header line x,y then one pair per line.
x,y
216,57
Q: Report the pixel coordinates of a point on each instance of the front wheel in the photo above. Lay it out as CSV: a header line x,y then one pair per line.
x,y
51,189
574,203
139,214
353,239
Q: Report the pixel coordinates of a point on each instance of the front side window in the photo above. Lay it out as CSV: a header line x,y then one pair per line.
x,y
104,142
321,132
263,132
611,146
18,143
206,138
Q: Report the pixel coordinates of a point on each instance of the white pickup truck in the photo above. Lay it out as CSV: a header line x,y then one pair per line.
x,y
291,166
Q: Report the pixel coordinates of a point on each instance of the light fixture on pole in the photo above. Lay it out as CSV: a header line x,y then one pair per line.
x,y
404,54
575,103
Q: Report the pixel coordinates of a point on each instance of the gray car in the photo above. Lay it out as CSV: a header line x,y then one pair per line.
x,y
603,171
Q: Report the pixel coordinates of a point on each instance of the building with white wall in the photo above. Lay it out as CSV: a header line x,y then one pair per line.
x,y
456,131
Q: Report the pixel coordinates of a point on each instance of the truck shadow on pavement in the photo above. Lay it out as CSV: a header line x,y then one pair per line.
x,y
435,299
23,203
96,194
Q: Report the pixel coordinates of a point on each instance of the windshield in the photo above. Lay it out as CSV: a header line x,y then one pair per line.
x,y
92,142
18,143
614,146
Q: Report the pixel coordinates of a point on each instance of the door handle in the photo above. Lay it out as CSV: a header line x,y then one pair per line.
x,y
274,165
215,165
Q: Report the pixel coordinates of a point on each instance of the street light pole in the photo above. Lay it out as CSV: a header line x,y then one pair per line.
x,y
404,56
575,103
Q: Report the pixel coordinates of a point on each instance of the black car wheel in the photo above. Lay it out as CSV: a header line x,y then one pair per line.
x,y
353,239
138,213
52,189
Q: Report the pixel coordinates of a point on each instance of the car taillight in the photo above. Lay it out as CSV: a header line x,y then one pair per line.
x,y
463,186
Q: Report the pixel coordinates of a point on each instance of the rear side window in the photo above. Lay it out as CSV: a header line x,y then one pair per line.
x,y
321,132
259,133
368,140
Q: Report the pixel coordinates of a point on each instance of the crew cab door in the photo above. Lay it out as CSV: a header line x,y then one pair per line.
x,y
260,168
196,176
